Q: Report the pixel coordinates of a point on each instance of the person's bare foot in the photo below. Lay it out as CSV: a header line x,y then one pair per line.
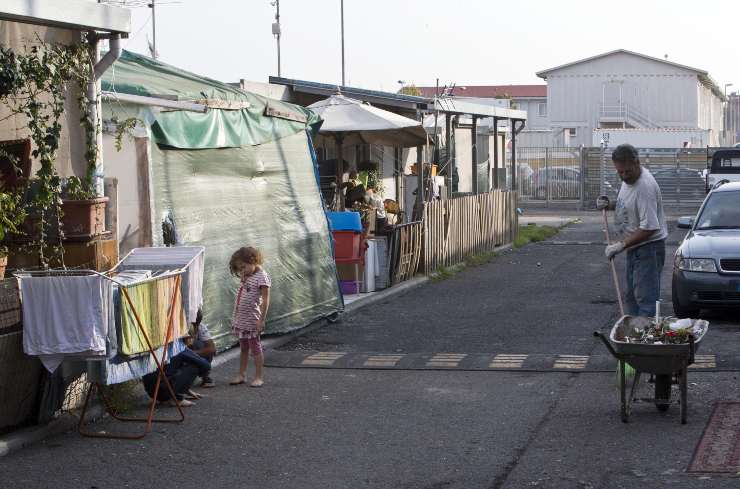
x,y
257,383
239,379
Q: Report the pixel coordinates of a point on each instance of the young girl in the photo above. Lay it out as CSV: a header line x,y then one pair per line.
x,y
250,310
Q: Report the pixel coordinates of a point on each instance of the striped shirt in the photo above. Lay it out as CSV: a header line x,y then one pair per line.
x,y
247,311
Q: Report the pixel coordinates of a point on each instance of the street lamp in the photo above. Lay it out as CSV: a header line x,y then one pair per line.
x,y
276,29
726,115
342,14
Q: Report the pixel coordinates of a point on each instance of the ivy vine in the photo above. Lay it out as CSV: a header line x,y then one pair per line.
x,y
35,84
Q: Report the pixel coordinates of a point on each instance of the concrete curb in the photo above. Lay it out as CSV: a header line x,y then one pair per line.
x,y
272,343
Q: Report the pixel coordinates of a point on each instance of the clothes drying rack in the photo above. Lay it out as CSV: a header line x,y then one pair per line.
x,y
159,361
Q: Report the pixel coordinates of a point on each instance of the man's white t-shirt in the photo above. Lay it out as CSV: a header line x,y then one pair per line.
x,y
640,205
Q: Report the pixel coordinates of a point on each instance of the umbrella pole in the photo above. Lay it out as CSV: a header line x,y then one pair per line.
x,y
340,173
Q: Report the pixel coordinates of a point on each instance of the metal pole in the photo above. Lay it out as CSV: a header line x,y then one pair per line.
x,y
419,171
277,20
513,154
474,130
154,32
436,118
450,155
495,153
342,8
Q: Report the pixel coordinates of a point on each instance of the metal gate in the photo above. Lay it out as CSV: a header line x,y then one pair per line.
x,y
548,174
678,171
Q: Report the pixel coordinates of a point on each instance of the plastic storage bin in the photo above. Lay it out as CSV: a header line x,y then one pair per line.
x,y
345,221
349,287
347,245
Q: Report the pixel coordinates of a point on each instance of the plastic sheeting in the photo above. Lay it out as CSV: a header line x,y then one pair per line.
x,y
264,196
261,120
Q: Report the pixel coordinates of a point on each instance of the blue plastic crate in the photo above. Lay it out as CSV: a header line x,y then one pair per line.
x,y
345,221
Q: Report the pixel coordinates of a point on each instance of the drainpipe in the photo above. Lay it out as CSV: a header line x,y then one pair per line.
x,y
94,108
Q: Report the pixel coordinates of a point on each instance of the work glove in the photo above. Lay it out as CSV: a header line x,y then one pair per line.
x,y
613,249
602,202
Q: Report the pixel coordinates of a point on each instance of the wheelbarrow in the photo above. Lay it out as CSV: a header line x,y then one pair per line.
x,y
663,361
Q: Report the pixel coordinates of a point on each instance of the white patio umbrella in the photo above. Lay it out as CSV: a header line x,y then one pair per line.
x,y
350,121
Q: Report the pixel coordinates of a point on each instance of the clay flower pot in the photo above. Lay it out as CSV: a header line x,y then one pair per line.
x,y
84,218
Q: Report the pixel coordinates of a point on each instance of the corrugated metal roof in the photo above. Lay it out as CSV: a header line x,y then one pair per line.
x,y
452,105
492,91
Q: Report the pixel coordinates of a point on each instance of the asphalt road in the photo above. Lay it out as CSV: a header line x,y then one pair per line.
x,y
329,424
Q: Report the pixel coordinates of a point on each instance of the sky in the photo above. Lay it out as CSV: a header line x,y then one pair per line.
x,y
466,42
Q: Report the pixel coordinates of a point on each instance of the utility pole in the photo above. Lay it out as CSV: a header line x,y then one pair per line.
x,y
342,12
276,31
154,30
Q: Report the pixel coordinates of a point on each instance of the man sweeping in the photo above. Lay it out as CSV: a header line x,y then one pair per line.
x,y
641,223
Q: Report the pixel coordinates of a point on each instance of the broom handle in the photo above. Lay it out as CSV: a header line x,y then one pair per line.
x,y
611,262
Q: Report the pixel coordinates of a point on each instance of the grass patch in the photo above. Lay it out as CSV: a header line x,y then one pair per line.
x,y
444,273
480,259
533,234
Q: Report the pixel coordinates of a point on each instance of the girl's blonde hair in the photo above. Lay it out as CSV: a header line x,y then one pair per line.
x,y
245,254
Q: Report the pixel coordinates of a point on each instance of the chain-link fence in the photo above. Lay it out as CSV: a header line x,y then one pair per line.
x,y
679,172
580,175
548,174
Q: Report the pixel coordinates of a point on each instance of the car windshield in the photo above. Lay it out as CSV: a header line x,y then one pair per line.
x,y
722,211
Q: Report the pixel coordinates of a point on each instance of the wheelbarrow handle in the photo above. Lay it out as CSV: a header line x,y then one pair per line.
x,y
608,345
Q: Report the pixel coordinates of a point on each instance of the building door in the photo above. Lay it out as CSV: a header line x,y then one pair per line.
x,y
612,99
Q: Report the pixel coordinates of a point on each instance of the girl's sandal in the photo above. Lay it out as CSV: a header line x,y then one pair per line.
x,y
237,381
256,383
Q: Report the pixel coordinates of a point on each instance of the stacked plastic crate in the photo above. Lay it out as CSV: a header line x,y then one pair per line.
x,y
349,249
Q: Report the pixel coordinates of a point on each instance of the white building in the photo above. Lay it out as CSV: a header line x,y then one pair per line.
x,y
624,90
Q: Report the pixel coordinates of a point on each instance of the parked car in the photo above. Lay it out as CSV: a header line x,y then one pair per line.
x,y
706,266
690,182
562,182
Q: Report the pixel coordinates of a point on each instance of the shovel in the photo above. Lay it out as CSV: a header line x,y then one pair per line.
x,y
611,262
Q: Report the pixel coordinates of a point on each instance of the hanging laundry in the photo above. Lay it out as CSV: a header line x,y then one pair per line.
x,y
151,300
191,258
65,315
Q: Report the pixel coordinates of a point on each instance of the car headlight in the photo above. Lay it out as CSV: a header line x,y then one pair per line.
x,y
696,264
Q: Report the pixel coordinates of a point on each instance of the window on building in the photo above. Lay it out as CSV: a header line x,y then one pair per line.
x,y
572,132
542,109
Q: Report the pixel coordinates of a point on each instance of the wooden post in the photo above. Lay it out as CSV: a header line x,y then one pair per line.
x,y
143,180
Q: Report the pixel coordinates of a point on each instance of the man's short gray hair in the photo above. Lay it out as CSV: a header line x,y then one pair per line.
x,y
626,153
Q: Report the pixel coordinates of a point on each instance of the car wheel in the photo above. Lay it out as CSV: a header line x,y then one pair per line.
x,y
682,310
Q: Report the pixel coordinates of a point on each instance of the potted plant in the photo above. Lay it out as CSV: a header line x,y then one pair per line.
x,y
12,216
83,211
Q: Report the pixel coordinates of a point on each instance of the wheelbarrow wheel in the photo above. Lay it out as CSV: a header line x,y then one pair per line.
x,y
662,392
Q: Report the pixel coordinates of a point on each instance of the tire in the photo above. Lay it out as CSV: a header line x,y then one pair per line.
x,y
682,310
662,391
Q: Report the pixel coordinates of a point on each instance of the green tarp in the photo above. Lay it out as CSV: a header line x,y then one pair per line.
x,y
258,189
262,121
264,196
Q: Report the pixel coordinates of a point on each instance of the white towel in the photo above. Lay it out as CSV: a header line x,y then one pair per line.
x,y
67,315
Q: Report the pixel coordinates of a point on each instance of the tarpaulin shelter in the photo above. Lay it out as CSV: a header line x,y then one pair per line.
x,y
222,168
